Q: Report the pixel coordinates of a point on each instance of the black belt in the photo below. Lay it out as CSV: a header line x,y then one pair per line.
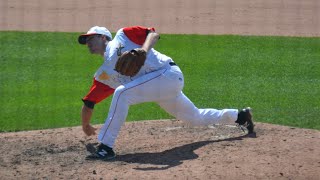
x,y
172,64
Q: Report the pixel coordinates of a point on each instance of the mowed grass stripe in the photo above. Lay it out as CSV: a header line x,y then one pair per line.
x,y
45,75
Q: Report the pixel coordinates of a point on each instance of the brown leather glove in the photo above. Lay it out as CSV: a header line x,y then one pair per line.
x,y
130,62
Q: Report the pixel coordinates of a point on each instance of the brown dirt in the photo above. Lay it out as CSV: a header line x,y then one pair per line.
x,y
252,17
165,149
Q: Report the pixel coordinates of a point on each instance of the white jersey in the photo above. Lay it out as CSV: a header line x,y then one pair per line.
x,y
121,43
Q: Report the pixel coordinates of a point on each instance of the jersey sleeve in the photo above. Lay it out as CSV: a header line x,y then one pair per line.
x,y
98,92
137,34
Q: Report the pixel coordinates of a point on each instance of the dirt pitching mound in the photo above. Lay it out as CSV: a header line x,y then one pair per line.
x,y
164,150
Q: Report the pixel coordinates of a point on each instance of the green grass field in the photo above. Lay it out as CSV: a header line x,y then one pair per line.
x,y
45,75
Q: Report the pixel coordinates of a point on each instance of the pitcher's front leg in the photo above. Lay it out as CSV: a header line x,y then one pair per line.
x,y
117,115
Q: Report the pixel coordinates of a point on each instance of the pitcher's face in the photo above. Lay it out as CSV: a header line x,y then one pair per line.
x,y
96,44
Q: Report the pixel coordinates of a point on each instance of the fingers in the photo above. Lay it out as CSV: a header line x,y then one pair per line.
x,y
89,130
92,131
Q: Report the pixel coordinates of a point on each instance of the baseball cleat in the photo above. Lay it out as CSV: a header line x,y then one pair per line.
x,y
103,153
245,120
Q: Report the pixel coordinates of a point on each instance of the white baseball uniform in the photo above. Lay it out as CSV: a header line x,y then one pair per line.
x,y
159,80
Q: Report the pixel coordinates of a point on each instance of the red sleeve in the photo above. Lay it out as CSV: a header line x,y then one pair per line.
x,y
137,34
98,92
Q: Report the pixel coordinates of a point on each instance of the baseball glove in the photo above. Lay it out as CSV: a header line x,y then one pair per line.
x,y
130,62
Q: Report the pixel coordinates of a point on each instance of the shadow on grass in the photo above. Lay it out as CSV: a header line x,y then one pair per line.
x,y
171,157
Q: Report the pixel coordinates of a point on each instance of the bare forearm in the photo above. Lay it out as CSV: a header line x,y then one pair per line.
x,y
151,40
86,114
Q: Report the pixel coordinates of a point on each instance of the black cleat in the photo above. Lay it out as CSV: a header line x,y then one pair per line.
x,y
103,153
245,120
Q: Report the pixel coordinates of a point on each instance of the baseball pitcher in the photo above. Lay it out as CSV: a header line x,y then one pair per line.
x,y
138,73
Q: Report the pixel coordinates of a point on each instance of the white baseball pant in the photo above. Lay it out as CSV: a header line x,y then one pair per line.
x,y
165,88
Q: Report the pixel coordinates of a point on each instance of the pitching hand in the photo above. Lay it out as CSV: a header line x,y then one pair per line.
x,y
89,130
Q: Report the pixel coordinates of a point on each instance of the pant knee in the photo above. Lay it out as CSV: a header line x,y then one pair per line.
x,y
119,90
125,95
120,94
193,118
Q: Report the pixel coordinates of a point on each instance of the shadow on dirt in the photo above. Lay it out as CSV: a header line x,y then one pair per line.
x,y
169,158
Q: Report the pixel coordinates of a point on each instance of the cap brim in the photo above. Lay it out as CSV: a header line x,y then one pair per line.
x,y
82,39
